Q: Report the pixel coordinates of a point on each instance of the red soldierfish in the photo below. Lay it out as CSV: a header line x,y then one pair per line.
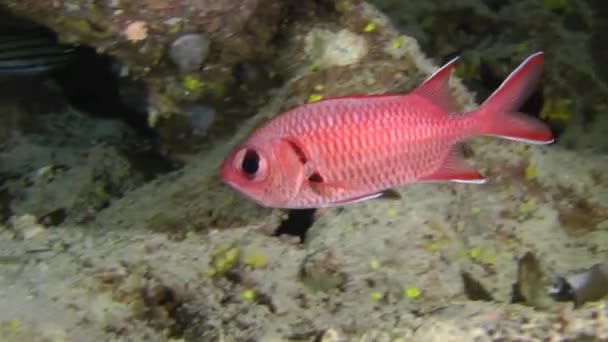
x,y
348,149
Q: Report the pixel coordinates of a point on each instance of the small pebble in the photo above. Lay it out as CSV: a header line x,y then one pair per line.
x,y
189,51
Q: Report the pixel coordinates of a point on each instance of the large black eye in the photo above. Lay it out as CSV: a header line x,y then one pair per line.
x,y
251,163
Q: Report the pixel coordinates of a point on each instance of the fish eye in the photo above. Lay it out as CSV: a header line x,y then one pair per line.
x,y
251,162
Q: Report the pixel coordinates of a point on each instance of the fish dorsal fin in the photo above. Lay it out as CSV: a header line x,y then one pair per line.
x,y
455,169
436,88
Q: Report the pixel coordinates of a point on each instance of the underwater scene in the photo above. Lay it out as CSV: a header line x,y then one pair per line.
x,y
319,170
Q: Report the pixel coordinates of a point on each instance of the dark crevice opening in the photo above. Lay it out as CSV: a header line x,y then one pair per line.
x,y
297,224
91,83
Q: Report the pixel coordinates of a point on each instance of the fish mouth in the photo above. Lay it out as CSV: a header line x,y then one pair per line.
x,y
229,179
246,195
230,183
224,173
234,185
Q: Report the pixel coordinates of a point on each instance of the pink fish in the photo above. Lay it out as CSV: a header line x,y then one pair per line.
x,y
347,149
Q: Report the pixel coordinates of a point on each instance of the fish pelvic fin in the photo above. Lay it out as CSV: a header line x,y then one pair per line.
x,y
436,88
498,116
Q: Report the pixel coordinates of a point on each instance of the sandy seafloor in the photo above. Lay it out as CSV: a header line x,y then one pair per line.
x,y
184,258
117,280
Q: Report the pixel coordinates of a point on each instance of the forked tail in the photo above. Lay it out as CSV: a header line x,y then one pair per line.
x,y
498,115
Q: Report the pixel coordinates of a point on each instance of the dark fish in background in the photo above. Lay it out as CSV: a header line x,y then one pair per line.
x,y
31,53
29,49
31,58
27,58
28,54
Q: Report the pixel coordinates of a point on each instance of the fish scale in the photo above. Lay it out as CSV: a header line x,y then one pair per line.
x,y
376,144
330,142
347,149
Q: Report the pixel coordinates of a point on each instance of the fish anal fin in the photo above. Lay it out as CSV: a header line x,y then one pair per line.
x,y
455,169
359,199
436,88
389,194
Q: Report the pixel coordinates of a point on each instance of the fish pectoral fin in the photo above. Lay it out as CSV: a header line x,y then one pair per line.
x,y
321,187
455,169
325,188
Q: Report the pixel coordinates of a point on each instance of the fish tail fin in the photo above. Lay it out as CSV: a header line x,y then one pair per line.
x,y
498,114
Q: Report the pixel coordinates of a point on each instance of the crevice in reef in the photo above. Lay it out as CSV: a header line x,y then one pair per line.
x,y
297,223
92,84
